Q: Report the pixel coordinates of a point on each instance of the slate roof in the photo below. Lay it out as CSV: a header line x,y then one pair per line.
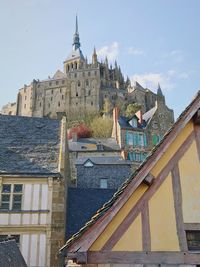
x,y
82,204
149,114
185,116
10,255
115,160
29,145
124,123
90,144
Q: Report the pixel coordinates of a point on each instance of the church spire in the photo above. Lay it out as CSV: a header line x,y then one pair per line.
x,y
76,41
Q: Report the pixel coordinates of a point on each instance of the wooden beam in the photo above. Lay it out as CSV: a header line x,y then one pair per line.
x,y
149,179
115,237
146,235
192,226
176,183
127,257
196,117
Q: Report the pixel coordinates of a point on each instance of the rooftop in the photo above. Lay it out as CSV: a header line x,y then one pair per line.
x,y
29,145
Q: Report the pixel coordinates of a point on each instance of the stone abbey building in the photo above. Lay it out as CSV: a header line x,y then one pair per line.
x,y
80,86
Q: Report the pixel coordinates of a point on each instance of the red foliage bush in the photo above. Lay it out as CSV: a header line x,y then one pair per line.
x,y
81,130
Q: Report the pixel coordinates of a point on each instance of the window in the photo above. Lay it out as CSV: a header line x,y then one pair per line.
x,y
87,82
79,84
51,98
59,104
60,90
136,139
62,97
11,196
52,92
50,83
49,105
24,105
63,81
92,103
57,82
89,92
75,75
76,93
88,73
193,240
103,183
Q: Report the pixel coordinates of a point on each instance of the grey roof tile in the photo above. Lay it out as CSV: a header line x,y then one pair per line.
x,y
29,145
10,255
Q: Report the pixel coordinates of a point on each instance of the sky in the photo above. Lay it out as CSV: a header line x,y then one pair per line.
x,y
152,40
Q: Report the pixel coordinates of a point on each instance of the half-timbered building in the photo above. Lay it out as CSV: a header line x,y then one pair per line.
x,y
154,218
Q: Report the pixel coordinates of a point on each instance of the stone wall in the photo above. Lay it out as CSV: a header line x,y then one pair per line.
x,y
57,221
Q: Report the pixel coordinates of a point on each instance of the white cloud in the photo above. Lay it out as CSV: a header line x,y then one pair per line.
x,y
151,80
111,51
175,55
134,51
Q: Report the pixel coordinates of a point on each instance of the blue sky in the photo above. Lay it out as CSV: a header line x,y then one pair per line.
x,y
152,40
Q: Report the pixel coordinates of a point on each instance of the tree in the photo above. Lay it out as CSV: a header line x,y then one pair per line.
x,y
132,109
107,106
81,130
102,127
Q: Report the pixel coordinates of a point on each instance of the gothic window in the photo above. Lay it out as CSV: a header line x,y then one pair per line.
x,y
89,92
88,73
92,103
59,104
76,65
68,67
71,65
76,93
79,84
87,82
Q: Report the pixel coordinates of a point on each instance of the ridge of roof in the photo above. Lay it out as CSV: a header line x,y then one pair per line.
x,y
119,192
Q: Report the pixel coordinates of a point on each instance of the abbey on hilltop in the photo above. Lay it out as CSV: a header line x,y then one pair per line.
x,y
82,85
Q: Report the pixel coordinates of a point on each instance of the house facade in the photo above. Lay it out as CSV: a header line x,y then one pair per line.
x,y
137,135
154,218
33,177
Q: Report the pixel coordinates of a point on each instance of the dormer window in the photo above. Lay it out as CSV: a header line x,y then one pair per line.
x,y
88,163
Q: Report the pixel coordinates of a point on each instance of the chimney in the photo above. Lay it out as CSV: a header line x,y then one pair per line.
x,y
74,137
139,115
115,122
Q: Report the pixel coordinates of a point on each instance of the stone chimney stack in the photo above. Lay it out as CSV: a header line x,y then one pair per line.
x,y
139,115
74,137
115,123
